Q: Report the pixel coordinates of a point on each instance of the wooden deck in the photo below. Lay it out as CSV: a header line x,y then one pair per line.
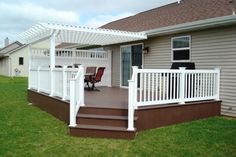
x,y
107,97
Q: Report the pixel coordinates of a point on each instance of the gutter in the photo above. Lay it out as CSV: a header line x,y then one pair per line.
x,y
190,26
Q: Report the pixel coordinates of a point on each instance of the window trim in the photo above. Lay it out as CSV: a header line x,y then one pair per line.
x,y
176,49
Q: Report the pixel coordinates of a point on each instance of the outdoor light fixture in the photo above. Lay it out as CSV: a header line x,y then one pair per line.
x,y
145,50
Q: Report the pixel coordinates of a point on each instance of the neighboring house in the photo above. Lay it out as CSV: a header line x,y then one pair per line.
x,y
14,60
206,29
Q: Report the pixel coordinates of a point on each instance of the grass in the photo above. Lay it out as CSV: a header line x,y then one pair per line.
x,y
27,131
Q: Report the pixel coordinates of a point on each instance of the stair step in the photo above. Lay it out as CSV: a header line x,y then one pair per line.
x,y
83,130
103,111
104,120
98,127
102,116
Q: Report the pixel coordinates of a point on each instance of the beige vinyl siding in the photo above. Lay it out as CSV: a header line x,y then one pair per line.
x,y
159,56
217,47
210,48
4,66
22,52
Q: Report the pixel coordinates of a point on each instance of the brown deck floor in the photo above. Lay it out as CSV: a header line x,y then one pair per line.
x,y
107,97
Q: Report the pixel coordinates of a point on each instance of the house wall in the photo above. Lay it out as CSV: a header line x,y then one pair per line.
x,y
115,71
4,66
210,48
23,52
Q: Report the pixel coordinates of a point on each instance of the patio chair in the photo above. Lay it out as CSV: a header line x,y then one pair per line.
x,y
89,73
97,78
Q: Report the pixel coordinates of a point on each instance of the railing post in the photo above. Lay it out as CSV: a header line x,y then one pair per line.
x,y
182,85
64,84
217,83
110,67
72,104
135,75
132,102
131,105
81,85
52,59
52,81
38,74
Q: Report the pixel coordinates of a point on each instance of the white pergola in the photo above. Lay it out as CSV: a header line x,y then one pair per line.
x,y
59,33
55,34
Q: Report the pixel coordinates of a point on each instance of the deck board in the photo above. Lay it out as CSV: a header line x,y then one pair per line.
x,y
107,97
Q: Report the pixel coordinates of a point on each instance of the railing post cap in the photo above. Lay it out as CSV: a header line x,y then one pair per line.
x,y
217,68
130,81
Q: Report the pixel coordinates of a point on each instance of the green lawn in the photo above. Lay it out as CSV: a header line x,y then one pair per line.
x,y
27,131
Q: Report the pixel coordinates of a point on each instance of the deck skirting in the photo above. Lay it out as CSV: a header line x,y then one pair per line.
x,y
163,115
99,121
58,108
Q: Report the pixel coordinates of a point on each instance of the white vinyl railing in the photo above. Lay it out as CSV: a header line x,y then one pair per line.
x,y
165,86
40,80
68,83
71,53
86,54
73,58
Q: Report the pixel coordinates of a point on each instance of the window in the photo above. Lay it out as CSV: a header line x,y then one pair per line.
x,y
181,49
21,61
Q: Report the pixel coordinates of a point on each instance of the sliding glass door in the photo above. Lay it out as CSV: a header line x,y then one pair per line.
x,y
131,55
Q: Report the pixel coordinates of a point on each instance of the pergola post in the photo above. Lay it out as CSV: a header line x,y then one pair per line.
x,y
52,60
29,68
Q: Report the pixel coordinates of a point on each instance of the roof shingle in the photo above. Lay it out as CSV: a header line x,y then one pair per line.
x,y
173,14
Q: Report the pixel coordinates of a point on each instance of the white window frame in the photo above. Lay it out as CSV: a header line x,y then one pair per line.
x,y
176,49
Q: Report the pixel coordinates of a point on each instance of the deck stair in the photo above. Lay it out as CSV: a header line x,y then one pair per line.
x,y
102,122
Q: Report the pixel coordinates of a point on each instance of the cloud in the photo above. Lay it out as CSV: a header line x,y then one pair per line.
x,y
35,13
16,18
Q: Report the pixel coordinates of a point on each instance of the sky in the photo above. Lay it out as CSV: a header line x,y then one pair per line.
x,y
17,16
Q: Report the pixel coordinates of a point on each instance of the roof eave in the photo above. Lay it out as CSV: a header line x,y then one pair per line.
x,y
191,26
